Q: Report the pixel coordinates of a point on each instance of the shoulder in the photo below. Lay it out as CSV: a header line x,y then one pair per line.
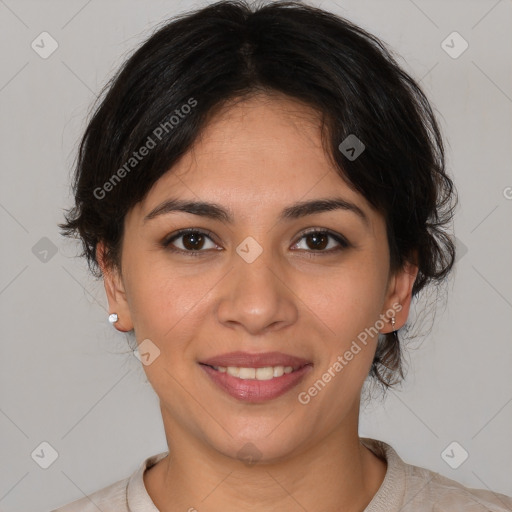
x,y
409,488
122,496
427,490
112,497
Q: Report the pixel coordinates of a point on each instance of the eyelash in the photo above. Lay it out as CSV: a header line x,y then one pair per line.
x,y
344,244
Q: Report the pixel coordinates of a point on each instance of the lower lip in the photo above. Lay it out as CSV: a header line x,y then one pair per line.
x,y
255,391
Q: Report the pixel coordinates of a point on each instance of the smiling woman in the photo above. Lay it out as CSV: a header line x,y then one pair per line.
x,y
264,250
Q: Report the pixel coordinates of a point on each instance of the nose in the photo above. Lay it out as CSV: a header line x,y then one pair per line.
x,y
256,297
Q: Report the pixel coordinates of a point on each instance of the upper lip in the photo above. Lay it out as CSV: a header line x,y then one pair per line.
x,y
248,360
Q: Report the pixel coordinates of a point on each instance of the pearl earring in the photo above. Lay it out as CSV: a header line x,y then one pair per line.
x,y
393,323
113,318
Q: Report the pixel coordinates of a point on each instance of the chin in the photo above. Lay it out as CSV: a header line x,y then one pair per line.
x,y
258,444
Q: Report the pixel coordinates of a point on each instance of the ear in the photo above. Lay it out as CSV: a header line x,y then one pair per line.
x,y
116,294
399,296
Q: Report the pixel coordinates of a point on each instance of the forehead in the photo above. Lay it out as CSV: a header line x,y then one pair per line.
x,y
255,153
274,118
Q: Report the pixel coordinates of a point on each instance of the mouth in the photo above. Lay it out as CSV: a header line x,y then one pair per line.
x,y
261,373
258,360
256,378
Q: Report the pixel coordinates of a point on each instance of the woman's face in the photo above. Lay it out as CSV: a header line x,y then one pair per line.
x,y
257,284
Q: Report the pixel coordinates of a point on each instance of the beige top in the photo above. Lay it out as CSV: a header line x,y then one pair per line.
x,y
405,488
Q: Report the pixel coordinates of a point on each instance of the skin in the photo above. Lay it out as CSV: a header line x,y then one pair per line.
x,y
256,158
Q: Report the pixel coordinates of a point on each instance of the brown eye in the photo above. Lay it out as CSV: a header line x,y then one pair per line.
x,y
320,241
193,241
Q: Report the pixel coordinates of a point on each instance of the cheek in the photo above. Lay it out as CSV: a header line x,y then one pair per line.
x,y
349,303
349,299
169,304
166,309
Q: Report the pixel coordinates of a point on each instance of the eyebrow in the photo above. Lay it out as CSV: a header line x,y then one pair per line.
x,y
294,211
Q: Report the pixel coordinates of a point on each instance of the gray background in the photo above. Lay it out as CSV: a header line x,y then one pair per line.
x,y
67,377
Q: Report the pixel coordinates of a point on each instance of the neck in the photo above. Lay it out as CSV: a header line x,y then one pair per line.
x,y
337,473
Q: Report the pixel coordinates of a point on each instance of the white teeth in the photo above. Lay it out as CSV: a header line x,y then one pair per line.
x,y
265,373
278,371
233,370
246,373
